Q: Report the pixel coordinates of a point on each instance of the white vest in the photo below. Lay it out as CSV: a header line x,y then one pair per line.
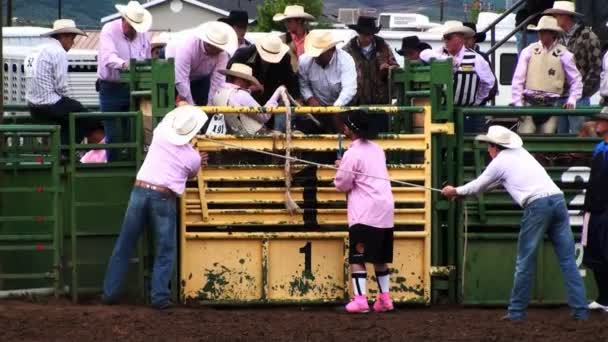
x,y
240,124
545,70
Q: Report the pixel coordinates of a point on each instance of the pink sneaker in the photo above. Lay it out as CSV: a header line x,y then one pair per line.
x,y
358,305
383,303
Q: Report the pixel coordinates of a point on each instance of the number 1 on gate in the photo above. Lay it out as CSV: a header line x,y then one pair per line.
x,y
307,251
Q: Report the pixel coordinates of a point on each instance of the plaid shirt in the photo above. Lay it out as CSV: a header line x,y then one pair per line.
x,y
49,80
585,46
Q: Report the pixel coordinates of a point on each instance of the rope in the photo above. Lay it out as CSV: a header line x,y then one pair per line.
x,y
326,166
290,204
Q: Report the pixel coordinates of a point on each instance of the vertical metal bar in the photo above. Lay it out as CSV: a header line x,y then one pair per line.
x,y
346,268
72,200
459,206
479,164
57,230
264,270
427,204
182,248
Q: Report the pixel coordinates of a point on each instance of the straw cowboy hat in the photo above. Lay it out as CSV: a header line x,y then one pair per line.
x,y
160,39
547,23
218,34
480,37
180,125
366,25
241,71
502,136
136,15
271,48
318,41
603,115
291,12
563,7
454,26
64,26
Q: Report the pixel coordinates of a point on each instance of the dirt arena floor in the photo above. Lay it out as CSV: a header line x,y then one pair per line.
x,y
59,320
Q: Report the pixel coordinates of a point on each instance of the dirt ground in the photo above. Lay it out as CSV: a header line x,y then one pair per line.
x,y
59,320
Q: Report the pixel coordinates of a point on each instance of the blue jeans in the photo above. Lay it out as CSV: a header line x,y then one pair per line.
x,y
158,210
531,37
115,97
550,215
572,124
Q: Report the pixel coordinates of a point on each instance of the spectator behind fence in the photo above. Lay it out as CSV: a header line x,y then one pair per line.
x,y
120,41
238,20
270,62
540,77
411,47
328,77
295,19
47,82
158,45
472,42
373,59
585,45
531,8
198,60
473,77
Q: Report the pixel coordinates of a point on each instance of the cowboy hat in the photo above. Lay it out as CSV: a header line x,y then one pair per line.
x,y
159,39
502,136
218,34
319,41
291,12
411,43
271,48
64,26
454,26
136,15
180,125
242,71
236,17
366,25
547,23
603,115
563,7
480,37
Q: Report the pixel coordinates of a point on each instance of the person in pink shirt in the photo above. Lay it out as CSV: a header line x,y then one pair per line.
x,y
170,162
199,59
546,75
370,211
120,41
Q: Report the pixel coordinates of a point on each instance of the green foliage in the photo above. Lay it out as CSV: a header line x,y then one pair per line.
x,y
271,7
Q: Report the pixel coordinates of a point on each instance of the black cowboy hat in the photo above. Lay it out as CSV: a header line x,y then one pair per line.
x,y
479,37
366,25
413,43
236,17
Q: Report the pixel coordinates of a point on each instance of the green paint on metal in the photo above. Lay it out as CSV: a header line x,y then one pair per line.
x,y
226,283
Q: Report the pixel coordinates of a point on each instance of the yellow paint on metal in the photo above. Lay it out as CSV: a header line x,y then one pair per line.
x,y
325,142
290,235
426,276
222,270
239,173
297,110
202,195
261,217
262,195
447,128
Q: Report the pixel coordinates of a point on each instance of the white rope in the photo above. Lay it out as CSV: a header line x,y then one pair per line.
x,y
290,204
326,166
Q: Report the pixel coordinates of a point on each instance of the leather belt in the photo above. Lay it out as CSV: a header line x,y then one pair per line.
x,y
157,188
535,197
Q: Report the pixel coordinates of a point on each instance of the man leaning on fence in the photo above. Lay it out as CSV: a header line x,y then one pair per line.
x,y
585,45
545,211
543,70
47,82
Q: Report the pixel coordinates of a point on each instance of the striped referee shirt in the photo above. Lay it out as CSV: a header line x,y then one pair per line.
x,y
49,80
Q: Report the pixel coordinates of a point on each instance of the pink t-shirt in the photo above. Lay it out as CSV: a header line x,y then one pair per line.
x,y
169,165
370,200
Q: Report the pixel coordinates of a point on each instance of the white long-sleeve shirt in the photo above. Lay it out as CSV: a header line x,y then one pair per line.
x,y
334,85
517,170
49,75
482,69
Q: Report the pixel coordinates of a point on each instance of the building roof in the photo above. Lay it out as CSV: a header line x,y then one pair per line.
x,y
221,7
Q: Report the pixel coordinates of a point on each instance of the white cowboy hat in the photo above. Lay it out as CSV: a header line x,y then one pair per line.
x,y
319,41
160,39
547,23
180,125
64,26
218,34
136,15
502,136
563,7
293,11
271,48
454,26
241,71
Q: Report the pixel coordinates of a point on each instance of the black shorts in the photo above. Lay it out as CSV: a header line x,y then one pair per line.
x,y
370,245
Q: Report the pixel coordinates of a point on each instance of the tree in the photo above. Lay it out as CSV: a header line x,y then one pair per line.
x,y
271,7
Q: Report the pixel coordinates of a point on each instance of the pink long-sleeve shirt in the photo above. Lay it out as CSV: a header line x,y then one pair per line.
x,y
573,77
115,49
192,63
370,200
